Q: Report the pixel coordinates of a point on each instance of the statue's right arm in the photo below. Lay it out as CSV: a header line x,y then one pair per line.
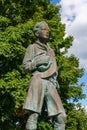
x,y
28,64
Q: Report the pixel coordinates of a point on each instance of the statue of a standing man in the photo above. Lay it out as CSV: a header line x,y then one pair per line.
x,y
40,60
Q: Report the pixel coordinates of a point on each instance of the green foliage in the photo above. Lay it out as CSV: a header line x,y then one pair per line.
x,y
44,126
4,22
77,118
17,19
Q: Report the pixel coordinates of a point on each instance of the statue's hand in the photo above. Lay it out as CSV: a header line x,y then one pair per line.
x,y
45,67
42,60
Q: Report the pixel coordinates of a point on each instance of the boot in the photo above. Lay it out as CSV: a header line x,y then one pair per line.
x,y
59,123
58,126
32,122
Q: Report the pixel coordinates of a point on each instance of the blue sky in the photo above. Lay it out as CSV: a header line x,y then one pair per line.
x,y
55,1
73,14
84,79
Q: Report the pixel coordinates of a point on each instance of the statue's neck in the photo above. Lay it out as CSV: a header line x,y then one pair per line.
x,y
42,40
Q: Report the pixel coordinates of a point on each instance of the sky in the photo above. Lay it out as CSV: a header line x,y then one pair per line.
x,y
74,15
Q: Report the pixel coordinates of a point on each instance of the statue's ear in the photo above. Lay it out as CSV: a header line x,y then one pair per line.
x,y
36,33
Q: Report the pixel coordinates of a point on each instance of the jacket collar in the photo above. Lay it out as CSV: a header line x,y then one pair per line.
x,y
42,45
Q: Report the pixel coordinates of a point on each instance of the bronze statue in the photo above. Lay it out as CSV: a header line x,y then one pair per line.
x,y
40,60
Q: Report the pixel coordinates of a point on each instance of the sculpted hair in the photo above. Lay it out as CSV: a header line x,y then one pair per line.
x,y
37,27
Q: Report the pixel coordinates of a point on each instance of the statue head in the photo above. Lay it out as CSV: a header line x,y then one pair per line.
x,y
41,30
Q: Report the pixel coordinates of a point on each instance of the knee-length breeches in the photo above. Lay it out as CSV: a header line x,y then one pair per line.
x,y
40,89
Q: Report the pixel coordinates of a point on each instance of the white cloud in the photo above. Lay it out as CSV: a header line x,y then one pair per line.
x,y
85,108
74,15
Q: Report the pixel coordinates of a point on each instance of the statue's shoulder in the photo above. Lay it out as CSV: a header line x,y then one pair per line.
x,y
30,47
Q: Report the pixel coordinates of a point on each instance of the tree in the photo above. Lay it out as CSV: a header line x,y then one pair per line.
x,y
17,19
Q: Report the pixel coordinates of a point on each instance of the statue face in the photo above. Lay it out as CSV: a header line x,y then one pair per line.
x,y
44,31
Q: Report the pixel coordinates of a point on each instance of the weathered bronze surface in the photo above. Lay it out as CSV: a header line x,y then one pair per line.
x,y
40,60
